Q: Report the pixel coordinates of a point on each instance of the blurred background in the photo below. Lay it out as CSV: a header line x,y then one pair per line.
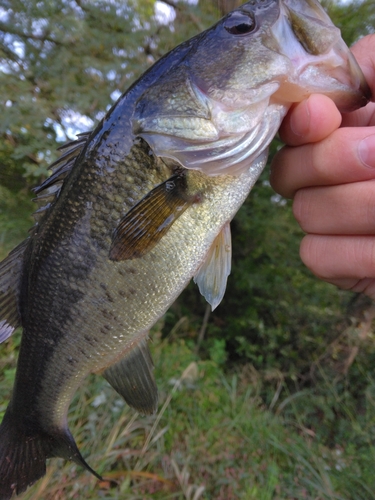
x,y
271,396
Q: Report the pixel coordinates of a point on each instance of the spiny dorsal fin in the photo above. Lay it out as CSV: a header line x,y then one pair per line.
x,y
10,281
150,219
11,266
58,175
133,379
212,276
49,190
81,138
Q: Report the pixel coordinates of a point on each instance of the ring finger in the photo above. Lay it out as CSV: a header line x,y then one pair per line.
x,y
344,209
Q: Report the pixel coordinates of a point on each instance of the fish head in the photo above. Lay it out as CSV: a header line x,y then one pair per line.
x,y
289,42
218,109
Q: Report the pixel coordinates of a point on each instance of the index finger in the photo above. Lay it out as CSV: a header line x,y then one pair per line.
x,y
347,155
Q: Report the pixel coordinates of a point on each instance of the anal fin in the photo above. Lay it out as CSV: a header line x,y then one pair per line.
x,y
212,276
10,280
133,379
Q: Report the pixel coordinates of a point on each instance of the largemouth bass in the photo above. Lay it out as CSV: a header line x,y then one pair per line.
x,y
138,207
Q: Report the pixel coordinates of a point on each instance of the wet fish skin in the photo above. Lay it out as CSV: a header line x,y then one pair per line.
x,y
85,305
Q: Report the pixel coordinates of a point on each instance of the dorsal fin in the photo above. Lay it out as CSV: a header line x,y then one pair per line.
x,y
10,281
49,190
11,266
132,377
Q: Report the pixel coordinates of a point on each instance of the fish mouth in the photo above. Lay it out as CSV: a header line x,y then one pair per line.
x,y
322,62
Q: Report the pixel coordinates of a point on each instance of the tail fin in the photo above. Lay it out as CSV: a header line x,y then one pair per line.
x,y
23,455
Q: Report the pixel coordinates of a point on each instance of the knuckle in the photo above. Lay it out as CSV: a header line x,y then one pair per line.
x,y
328,155
368,255
367,200
308,254
301,208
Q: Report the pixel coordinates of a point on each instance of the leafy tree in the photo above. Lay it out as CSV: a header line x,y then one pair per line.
x,y
60,63
355,19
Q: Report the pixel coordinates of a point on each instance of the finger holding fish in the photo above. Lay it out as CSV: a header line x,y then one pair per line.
x,y
343,260
332,182
337,159
327,154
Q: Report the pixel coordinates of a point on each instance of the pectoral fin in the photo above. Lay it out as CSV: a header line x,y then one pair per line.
x,y
133,379
213,273
10,281
150,219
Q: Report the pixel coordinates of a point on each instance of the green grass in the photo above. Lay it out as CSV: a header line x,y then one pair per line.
x,y
213,438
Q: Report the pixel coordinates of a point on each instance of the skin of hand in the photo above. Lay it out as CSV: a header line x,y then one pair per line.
x,y
328,168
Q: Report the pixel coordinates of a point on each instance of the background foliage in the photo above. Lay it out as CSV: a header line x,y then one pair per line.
x,y
279,330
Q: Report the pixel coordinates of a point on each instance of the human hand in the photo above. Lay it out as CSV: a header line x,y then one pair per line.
x,y
328,168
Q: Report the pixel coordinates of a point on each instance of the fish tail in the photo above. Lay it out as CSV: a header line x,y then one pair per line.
x,y
22,458
23,454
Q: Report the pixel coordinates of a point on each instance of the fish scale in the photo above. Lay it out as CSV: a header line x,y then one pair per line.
x,y
148,285
141,205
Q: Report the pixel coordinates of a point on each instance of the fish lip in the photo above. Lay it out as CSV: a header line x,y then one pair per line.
x,y
364,87
334,71
349,89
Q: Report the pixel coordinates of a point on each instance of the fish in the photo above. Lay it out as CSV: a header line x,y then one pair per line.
x,y
141,205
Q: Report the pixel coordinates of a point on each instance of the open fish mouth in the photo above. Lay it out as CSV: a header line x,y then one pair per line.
x,y
321,60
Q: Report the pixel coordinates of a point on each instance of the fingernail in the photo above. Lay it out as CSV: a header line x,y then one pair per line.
x,y
300,121
366,151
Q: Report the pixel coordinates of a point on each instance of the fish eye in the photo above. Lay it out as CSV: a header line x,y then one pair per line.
x,y
239,23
